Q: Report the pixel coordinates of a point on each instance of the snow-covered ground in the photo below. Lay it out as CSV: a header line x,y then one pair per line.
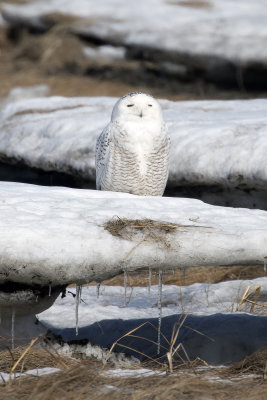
x,y
221,143
32,372
212,329
231,29
197,299
56,236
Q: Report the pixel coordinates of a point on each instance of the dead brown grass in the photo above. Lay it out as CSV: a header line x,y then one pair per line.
x,y
29,357
146,230
191,3
192,275
193,387
89,380
141,230
256,363
126,228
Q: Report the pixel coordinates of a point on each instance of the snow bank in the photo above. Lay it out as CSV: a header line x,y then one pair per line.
x,y
197,299
229,29
211,331
56,236
221,143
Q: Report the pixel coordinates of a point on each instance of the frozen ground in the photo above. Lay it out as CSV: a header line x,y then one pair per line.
x,y
221,143
212,330
56,236
229,29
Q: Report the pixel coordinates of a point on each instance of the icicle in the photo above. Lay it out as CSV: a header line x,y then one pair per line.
x,y
125,287
77,302
49,290
149,279
12,329
98,289
264,267
81,288
159,309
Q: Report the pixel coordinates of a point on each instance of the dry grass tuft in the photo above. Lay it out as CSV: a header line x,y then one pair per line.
x,y
140,231
126,228
173,354
75,383
250,296
256,363
24,358
88,380
202,4
145,230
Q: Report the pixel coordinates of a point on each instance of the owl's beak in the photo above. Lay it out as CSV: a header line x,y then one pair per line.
x,y
141,114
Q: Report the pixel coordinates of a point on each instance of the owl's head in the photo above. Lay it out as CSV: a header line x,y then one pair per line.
x,y
136,107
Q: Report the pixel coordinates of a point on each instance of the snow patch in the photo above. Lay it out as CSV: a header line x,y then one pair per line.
x,y
221,143
32,372
59,234
229,29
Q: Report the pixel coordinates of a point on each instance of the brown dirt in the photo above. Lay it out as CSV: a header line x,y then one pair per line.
x,y
42,59
18,69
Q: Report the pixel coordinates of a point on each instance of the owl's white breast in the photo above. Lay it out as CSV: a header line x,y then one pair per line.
x,y
140,138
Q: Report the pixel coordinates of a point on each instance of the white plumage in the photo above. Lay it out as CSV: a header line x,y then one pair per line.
x,y
132,152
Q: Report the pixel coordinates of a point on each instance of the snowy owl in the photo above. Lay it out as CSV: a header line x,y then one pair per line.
x,y
132,152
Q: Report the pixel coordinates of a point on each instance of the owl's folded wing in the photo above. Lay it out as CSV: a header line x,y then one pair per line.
x,y
102,154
